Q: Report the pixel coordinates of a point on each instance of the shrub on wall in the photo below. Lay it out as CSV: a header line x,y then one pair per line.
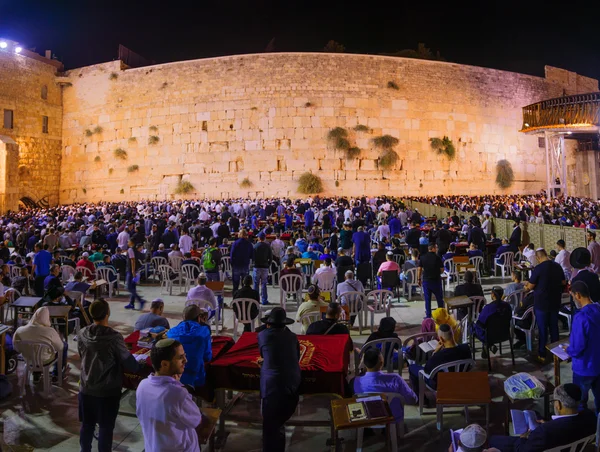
x,y
88,133
122,191
110,170
361,128
393,85
310,183
97,159
387,159
120,153
98,129
184,187
153,139
385,142
245,183
153,128
133,168
504,174
338,132
443,146
352,152
132,139
113,76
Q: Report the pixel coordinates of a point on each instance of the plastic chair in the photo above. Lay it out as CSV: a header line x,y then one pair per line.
x,y
15,272
85,272
387,346
477,261
397,430
382,302
412,342
328,285
577,446
165,272
399,259
11,295
497,330
226,268
111,277
189,273
67,272
34,362
528,332
450,269
478,304
410,281
515,298
274,271
463,365
96,264
245,316
356,304
205,304
505,262
156,262
390,280
290,285
308,318
463,326
175,263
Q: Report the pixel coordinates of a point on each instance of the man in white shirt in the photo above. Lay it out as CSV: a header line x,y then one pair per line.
x,y
185,243
563,258
278,247
349,285
325,276
123,239
168,415
529,253
201,292
383,232
487,225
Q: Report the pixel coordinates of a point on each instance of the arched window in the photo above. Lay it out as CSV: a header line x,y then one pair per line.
x,y
44,92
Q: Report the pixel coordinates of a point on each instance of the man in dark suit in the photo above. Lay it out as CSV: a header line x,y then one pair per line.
x,y
477,236
413,235
443,239
567,425
515,237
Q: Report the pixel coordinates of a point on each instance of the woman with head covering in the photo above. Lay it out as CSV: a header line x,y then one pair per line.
x,y
386,330
39,330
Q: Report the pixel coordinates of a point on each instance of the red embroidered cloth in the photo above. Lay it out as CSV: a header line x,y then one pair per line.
x,y
323,362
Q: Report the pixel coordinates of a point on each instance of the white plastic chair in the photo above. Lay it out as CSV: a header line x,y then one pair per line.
x,y
388,346
382,303
413,342
463,365
205,304
478,304
356,302
11,295
96,264
566,302
292,285
15,272
477,262
165,278
175,263
411,274
506,267
111,277
577,446
515,299
35,363
274,270
188,275
67,273
528,332
226,272
308,318
396,429
450,269
85,272
156,262
245,316
328,286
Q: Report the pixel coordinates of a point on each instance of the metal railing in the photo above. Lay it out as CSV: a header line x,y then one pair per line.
x,y
579,109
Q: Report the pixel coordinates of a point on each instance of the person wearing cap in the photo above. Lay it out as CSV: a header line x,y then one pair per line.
x,y
413,235
185,242
567,426
197,344
153,318
97,256
87,263
241,253
263,257
313,304
547,281
472,438
376,381
529,254
498,308
52,280
201,292
584,344
580,260
123,239
515,237
390,265
594,249
166,411
309,219
279,377
104,358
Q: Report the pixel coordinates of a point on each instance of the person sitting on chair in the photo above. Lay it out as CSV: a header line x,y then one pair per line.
x,y
472,438
313,304
247,292
497,306
446,352
153,318
386,330
330,324
469,288
290,267
515,285
474,251
567,426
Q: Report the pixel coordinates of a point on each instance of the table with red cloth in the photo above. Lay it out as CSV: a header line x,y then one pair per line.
x,y
220,345
324,364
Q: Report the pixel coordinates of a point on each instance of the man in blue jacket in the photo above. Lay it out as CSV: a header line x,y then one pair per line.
x,y
309,220
196,342
241,253
584,345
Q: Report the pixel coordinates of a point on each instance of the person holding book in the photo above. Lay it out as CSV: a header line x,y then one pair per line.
x,y
376,381
567,425
446,351
472,438
584,345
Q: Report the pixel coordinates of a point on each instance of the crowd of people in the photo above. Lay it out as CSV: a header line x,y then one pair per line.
x,y
52,252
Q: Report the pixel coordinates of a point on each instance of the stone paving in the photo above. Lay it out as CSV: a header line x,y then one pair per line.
x,y
28,422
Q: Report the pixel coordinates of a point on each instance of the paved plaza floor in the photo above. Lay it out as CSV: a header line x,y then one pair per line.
x,y
28,422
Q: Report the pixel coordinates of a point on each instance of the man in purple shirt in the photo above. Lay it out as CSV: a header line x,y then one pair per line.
x,y
362,246
376,381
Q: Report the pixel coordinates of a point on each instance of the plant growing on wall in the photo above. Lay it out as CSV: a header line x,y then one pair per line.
x,y
184,187
310,183
110,170
164,85
308,104
385,142
504,174
133,168
113,76
361,128
98,129
337,183
153,139
387,159
120,153
132,139
245,183
153,129
352,152
88,133
443,146
393,85
84,190
97,159
122,191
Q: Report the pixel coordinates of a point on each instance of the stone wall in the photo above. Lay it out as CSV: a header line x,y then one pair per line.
x,y
39,154
266,117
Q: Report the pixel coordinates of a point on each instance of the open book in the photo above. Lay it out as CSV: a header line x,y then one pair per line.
x,y
560,351
429,346
455,437
523,421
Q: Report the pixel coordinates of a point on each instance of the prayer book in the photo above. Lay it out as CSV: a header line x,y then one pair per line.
x,y
429,346
523,421
560,351
455,437
357,412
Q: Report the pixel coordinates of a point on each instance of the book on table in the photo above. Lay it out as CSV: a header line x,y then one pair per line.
x,y
523,421
561,351
372,407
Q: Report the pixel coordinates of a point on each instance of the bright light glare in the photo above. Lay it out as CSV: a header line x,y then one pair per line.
x,y
3,45
18,49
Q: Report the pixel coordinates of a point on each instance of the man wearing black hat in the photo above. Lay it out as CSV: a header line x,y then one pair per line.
x,y
279,377
515,237
547,282
580,260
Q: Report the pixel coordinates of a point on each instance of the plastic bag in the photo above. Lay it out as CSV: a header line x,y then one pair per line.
x,y
523,386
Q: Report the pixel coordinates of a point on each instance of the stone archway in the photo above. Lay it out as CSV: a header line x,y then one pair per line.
x,y
9,174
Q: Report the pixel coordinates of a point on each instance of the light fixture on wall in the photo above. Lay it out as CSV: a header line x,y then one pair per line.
x,y
3,45
18,49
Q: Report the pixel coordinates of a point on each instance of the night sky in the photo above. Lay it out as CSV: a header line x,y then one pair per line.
x,y
515,36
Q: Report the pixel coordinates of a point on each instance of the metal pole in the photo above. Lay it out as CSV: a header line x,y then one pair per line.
x,y
563,151
547,166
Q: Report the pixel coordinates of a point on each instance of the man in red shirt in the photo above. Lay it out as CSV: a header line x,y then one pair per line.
x,y
87,263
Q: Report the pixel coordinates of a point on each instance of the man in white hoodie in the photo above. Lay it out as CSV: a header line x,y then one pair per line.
x,y
168,415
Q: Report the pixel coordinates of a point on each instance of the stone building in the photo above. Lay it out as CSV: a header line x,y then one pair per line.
x,y
116,133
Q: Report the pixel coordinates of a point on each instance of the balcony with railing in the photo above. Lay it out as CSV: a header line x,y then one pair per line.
x,y
579,111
